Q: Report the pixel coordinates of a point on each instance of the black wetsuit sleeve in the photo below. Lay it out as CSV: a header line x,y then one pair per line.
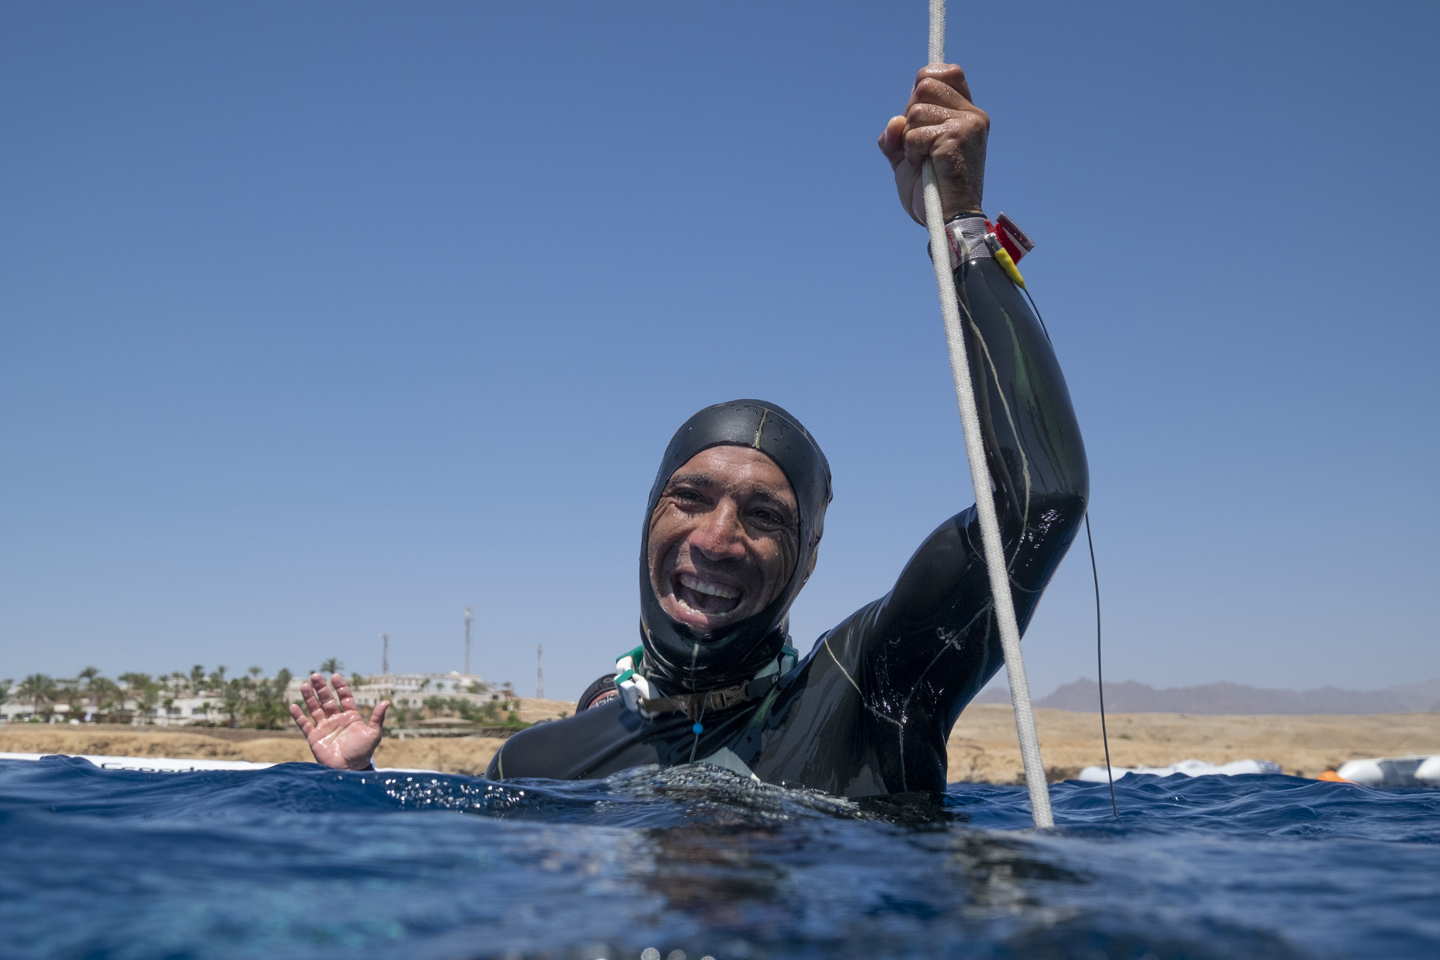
x,y
920,653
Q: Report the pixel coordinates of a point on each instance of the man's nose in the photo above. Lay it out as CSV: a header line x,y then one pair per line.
x,y
719,536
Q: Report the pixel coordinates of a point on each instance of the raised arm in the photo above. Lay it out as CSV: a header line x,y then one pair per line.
x,y
934,632
920,653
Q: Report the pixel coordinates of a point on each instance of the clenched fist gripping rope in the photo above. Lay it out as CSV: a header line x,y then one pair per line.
x,y
979,471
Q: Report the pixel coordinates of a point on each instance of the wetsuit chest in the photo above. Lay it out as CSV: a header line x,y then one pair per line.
x,y
811,730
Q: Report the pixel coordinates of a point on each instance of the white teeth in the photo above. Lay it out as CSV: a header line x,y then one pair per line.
x,y
709,587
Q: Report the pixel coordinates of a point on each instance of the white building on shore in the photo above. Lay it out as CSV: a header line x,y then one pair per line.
x,y
170,711
413,689
406,690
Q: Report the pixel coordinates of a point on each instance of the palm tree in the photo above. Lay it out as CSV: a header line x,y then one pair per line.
x,y
104,695
238,695
232,698
149,696
141,688
332,665
69,693
5,686
85,684
36,688
268,710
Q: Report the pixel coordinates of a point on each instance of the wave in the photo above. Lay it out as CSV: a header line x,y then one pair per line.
x,y
296,859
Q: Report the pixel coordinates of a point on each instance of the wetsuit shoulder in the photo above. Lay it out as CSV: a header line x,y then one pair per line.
x,y
593,743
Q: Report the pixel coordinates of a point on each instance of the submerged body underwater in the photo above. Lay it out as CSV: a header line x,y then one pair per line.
x,y
295,859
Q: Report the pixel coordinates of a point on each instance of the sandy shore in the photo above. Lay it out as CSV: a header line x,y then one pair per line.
x,y
982,748
468,755
447,754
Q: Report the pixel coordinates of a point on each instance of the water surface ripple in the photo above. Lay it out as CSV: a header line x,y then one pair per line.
x,y
297,861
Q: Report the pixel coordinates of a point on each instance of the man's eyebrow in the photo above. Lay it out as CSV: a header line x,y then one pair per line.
x,y
706,480
695,479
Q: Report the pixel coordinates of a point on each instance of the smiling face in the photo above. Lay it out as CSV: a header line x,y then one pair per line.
x,y
723,539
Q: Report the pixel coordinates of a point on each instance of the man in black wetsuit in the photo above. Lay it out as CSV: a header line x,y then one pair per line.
x,y
732,527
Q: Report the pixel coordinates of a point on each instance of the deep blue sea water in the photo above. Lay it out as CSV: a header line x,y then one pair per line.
x,y
297,861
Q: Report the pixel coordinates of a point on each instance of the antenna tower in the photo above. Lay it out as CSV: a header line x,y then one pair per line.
x,y
469,615
384,653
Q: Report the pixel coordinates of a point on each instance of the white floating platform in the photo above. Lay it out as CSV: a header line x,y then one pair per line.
x,y
1416,770
1190,768
172,765
147,764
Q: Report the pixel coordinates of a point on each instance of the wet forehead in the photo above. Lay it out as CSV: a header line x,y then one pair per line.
x,y
739,471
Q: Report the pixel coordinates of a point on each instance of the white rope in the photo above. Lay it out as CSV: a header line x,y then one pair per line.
x,y
979,471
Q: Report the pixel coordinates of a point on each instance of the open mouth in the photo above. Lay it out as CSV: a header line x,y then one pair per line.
x,y
708,597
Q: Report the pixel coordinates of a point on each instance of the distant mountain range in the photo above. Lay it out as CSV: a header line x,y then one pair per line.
x,y
1231,698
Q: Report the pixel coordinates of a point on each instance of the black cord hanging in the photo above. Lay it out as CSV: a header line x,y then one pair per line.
x,y
1095,575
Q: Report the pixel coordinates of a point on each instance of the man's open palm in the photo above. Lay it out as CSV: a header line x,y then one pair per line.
x,y
339,735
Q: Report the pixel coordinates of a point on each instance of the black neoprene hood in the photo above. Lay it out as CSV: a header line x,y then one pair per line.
x,y
676,655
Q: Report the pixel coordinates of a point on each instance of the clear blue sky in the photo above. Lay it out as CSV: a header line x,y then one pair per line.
x,y
322,320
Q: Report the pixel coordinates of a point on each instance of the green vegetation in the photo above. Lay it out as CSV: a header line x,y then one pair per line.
x,y
38,689
487,714
259,702
248,700
245,701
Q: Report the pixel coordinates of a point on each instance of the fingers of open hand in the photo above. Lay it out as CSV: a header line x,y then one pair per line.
x,y
312,702
377,716
301,720
342,689
328,702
